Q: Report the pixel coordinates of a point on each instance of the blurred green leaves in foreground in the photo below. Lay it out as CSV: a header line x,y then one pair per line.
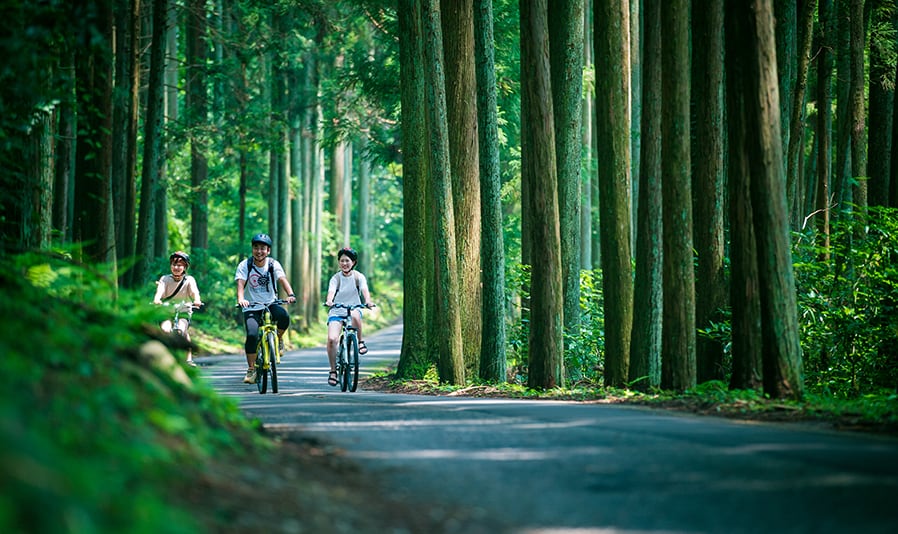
x,y
95,435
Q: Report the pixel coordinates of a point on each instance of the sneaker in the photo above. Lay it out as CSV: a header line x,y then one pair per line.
x,y
250,377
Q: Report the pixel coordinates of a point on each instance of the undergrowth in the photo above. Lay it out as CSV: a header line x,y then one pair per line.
x,y
94,438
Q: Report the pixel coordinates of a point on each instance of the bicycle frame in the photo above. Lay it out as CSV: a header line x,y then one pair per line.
x,y
268,355
348,350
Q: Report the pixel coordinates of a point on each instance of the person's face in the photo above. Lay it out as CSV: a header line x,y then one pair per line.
x,y
178,267
346,263
260,251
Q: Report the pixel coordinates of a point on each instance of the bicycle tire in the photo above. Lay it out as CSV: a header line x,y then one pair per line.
x,y
272,341
261,375
343,370
352,362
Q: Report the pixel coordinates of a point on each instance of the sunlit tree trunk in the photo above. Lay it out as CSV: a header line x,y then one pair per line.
x,y
492,257
461,105
451,361
587,202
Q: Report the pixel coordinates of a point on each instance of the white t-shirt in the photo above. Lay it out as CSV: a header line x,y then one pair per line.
x,y
187,293
346,291
259,285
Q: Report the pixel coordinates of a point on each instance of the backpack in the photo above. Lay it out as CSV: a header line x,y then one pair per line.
x,y
271,278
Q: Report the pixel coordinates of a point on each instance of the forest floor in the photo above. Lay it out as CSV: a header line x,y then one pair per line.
x,y
313,487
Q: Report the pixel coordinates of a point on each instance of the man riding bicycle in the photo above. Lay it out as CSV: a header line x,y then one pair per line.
x,y
257,278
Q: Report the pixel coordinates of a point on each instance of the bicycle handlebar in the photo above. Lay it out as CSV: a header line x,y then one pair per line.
x,y
266,304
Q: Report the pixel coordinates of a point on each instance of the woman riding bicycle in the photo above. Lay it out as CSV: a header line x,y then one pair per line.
x,y
347,287
181,287
257,278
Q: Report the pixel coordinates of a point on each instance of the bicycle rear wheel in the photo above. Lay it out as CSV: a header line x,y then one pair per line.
x,y
272,341
352,363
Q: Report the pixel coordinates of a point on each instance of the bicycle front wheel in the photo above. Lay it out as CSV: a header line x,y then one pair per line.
x,y
261,374
272,341
352,363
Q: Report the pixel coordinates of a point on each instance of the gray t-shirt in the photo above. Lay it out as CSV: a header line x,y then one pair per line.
x,y
259,285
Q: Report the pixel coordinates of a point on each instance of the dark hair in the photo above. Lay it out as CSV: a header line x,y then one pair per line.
x,y
265,239
353,255
180,254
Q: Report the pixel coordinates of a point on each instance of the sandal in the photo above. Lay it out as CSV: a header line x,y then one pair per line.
x,y
332,378
363,348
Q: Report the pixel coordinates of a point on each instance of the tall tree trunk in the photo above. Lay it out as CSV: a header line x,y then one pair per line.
x,y
678,332
857,101
842,171
708,181
786,20
566,61
492,257
755,123
461,104
451,362
153,152
63,186
413,359
37,200
645,340
587,202
93,194
612,51
824,133
882,96
795,138
363,224
538,139
197,104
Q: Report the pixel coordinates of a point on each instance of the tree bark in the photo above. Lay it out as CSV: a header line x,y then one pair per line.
x,y
413,358
451,361
645,340
755,122
566,63
678,332
708,182
461,104
882,96
197,104
612,51
492,257
538,140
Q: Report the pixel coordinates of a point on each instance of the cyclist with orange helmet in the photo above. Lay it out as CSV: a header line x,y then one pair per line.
x,y
181,288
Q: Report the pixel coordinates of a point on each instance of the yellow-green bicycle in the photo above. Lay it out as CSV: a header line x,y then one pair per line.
x,y
268,354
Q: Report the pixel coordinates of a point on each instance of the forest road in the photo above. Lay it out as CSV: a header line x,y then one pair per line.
x,y
556,467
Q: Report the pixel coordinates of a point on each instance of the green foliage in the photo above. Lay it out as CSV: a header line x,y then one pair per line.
x,y
848,303
93,438
584,353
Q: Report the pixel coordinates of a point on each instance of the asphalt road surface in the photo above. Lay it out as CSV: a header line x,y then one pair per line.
x,y
565,467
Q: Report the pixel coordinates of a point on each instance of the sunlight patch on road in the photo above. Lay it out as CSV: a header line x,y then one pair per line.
x,y
501,454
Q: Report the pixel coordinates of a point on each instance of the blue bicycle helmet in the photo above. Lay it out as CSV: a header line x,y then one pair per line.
x,y
265,239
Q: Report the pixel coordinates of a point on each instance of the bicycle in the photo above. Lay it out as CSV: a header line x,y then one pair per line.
x,y
182,308
268,345
348,350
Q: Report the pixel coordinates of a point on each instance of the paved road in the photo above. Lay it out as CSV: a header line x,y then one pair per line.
x,y
559,467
